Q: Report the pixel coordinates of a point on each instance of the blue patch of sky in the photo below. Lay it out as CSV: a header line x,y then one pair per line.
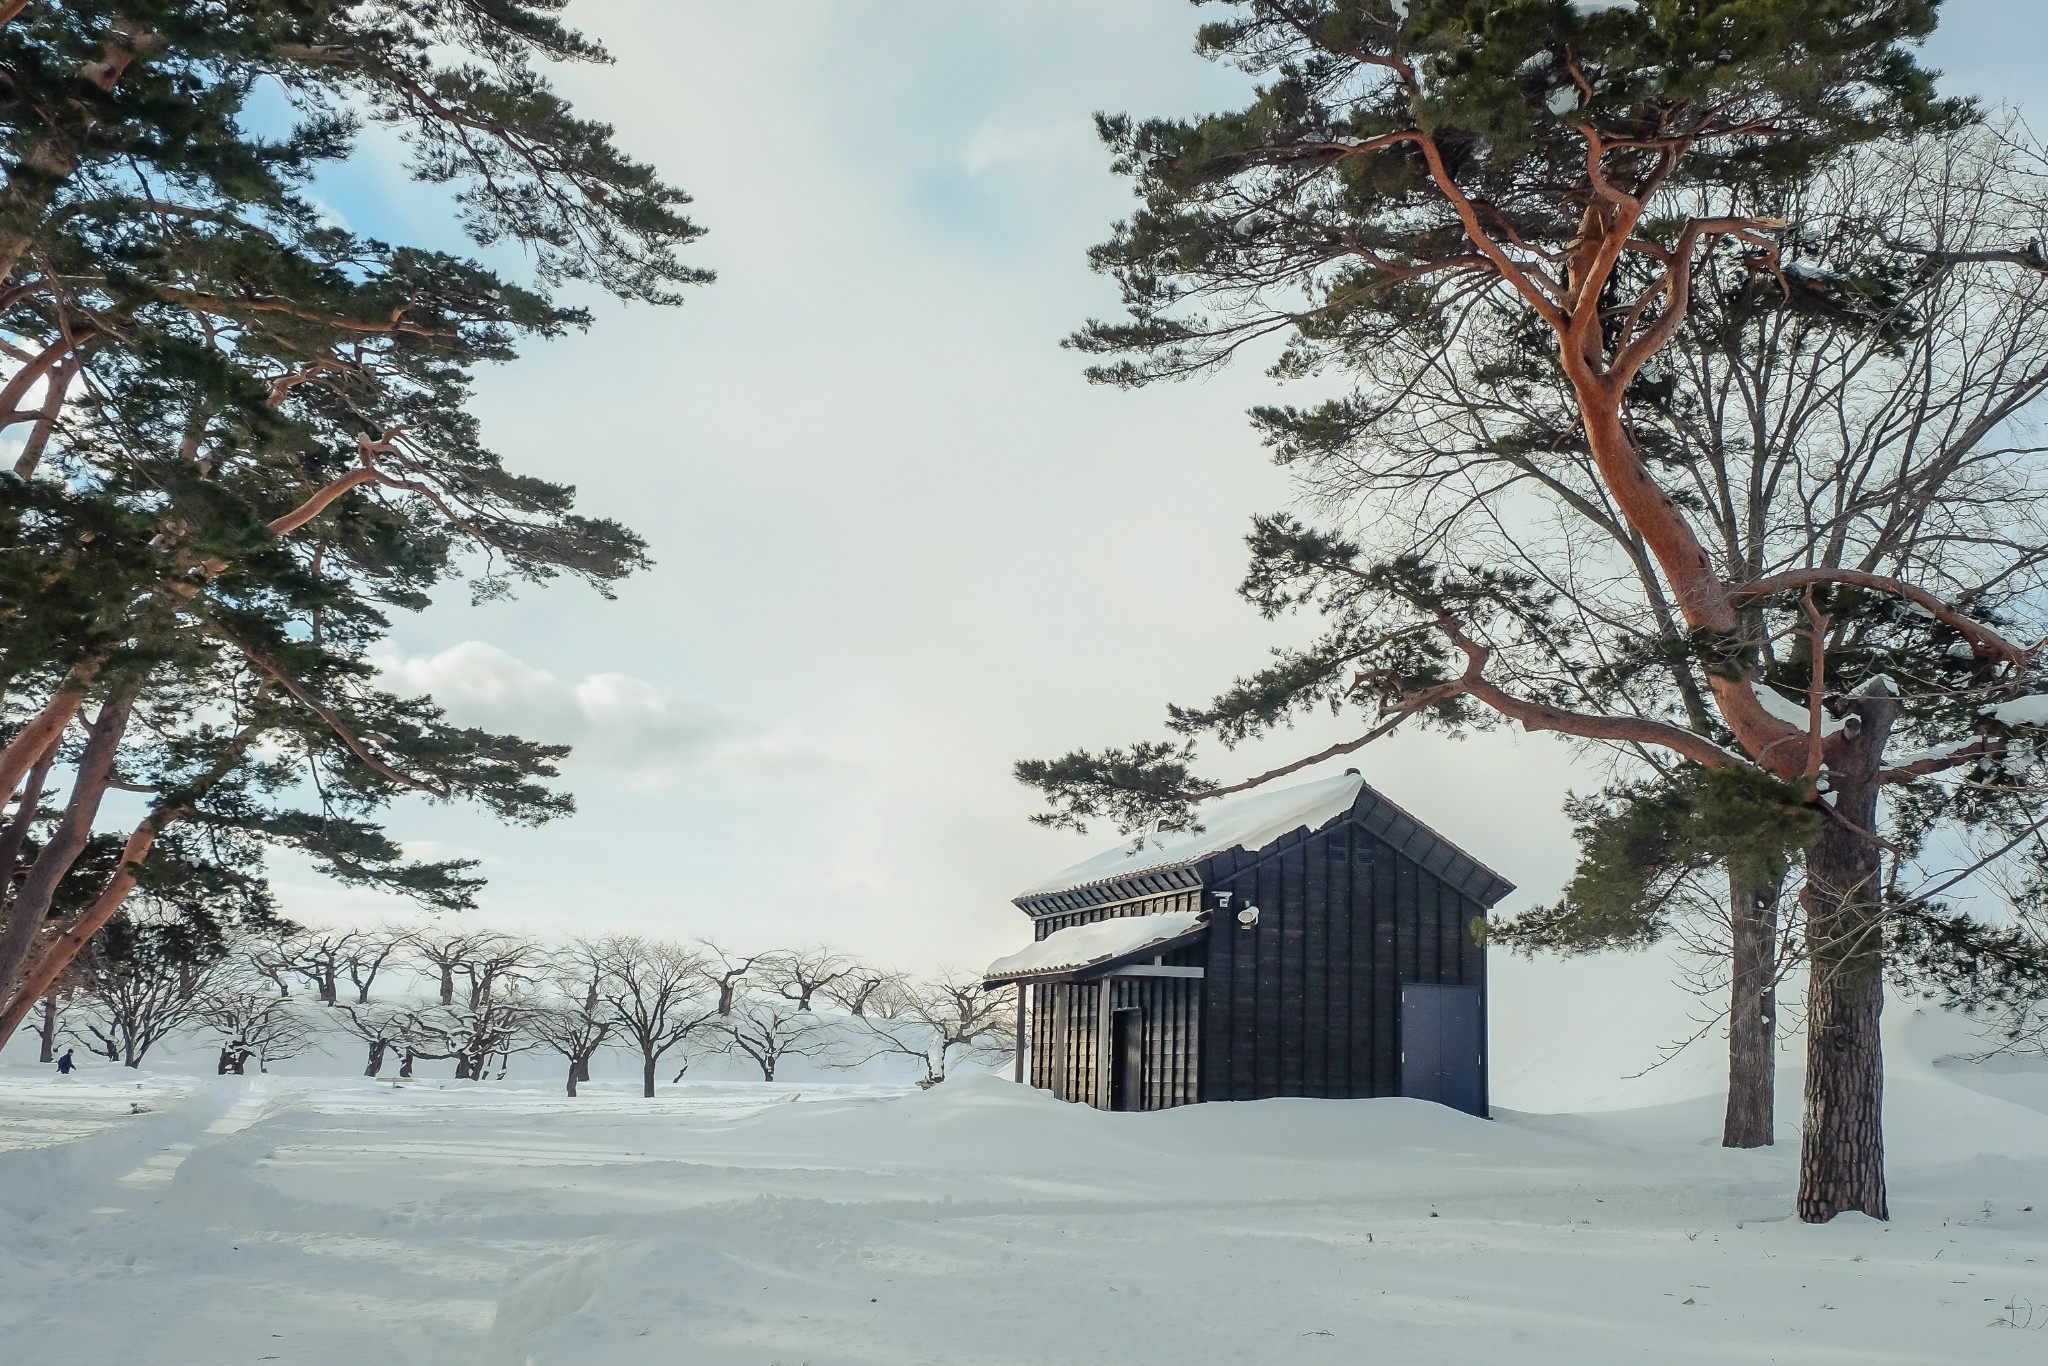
x,y
373,192
1991,49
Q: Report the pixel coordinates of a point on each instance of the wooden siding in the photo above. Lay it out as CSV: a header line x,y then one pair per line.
x,y
1307,1003
1065,1018
1171,1010
1065,1026
1189,899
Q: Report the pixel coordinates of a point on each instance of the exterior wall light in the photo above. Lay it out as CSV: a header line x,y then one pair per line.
x,y
1248,917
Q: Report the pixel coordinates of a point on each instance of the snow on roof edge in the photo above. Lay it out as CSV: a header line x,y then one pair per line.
x,y
1251,821
1081,946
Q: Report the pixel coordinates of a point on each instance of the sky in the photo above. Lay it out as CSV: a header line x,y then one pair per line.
x,y
900,543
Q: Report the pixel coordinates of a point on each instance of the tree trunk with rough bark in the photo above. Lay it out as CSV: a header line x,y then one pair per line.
x,y
647,1074
575,1066
36,737
26,913
41,971
376,1062
16,839
1841,1160
1752,1015
49,1030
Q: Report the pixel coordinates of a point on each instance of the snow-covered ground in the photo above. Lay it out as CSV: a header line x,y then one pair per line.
x,y
167,1218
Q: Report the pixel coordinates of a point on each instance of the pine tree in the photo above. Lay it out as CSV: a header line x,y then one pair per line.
x,y
245,429
1834,415
1438,191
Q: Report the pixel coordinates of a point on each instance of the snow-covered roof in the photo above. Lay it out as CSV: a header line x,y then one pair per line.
x,y
1251,821
1080,946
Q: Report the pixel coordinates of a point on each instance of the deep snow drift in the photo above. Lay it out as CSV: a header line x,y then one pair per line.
x,y
326,1220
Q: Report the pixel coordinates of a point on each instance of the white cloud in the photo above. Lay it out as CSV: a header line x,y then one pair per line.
x,y
614,721
903,534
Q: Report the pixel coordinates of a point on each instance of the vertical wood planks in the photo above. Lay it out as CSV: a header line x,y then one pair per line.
x,y
1307,1003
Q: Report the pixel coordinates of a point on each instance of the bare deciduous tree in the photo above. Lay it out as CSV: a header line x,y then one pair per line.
x,y
936,1022
316,957
768,1030
797,975
575,1031
472,1033
580,1021
253,1023
478,962
857,989
136,991
371,952
660,993
726,971
380,1028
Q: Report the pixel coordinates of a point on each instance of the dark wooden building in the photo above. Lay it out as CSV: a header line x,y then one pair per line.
x,y
1311,941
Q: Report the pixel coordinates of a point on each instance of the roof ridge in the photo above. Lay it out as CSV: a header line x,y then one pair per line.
x,y
1314,817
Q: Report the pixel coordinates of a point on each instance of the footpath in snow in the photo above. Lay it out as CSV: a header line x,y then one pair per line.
x,y
320,1220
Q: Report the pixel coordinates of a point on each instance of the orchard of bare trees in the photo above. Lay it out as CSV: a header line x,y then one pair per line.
x,y
468,1000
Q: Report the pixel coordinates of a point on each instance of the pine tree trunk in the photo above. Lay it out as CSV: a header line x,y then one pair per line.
x,y
16,838
1841,1161
1752,1014
30,907
647,1075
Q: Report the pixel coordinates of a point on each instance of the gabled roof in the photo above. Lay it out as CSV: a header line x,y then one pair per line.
x,y
1156,863
1251,821
1429,849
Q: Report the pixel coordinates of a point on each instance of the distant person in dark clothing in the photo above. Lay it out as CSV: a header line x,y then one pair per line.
x,y
64,1064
